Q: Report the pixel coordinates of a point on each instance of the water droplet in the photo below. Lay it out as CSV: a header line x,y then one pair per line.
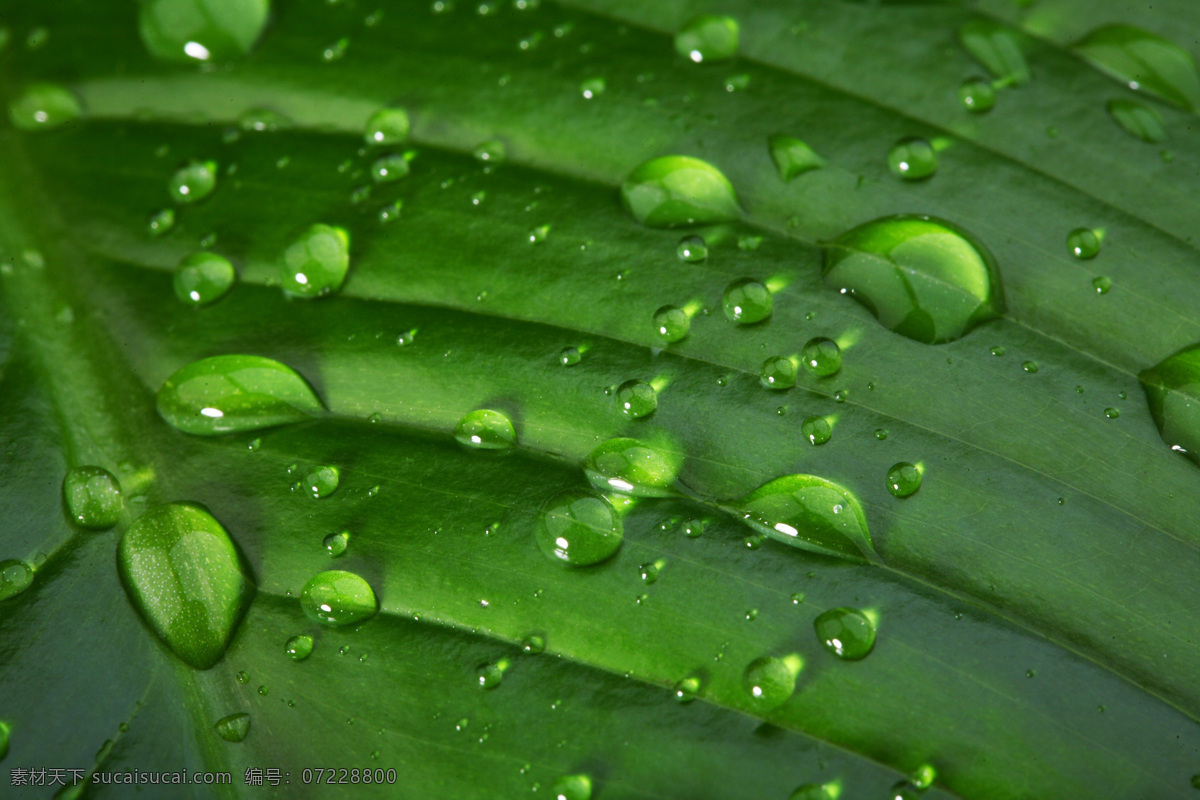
x,y
93,497
572,787
1029,366
671,323
998,350
636,398
243,677
491,152
693,528
1102,284
390,212
631,467
688,689
822,357
746,301
753,541
846,632
816,429
299,647
998,48
904,791
1144,61
264,690
161,221
187,579
569,357
389,168
810,791
649,571
226,394
263,119
490,676
903,479
15,577
485,429
810,513
387,126
691,249
316,261
912,159
44,105
592,87
797,598
1083,243
4,728
234,727
749,242
579,528
670,191
771,681
977,96
534,643
338,598
201,30
793,157
321,480
921,277
193,182
1138,120
777,372
708,37
202,278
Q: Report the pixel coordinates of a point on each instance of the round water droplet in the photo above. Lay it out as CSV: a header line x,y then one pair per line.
x,y
747,301
337,598
691,249
1101,284
201,30
998,350
1083,243
688,689
921,277
649,571
777,372
202,278
579,528
977,96
846,632
15,577
534,643
1144,61
187,579
336,543
912,159
1029,366
234,727
315,263
816,430
631,467
693,528
299,647
822,357
671,323
225,394
572,787
708,37
161,221
387,126
636,399
389,168
485,429
670,191
44,105
491,152
193,182
792,157
1111,413
569,357
93,497
923,776
903,479
489,676
810,513
770,681
321,480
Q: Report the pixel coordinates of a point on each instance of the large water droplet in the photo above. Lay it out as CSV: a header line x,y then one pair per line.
x,y
816,430
1173,391
187,579
572,787
822,357
321,480
1083,243
708,37
93,497
15,577
631,467
921,277
846,632
771,681
202,278
234,727
201,30
669,191
193,182
225,394
811,513
1143,60
636,398
746,301
671,323
998,48
977,96
903,479
777,372
792,157
44,105
387,126
1138,120
579,528
912,159
337,598
485,429
315,263
299,647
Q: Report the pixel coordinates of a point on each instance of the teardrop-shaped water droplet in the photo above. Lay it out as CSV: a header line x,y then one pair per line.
x,y
225,394
636,399
15,577
187,579
846,632
671,323
387,126
201,30
337,598
203,277
912,159
977,96
921,277
486,429
746,301
579,528
669,191
93,497
234,727
44,105
903,479
335,544
822,357
777,372
1083,243
810,513
998,48
691,249
316,261
771,681
1138,120
299,647
193,182
1173,392
631,467
572,787
792,157
708,37
1143,60
489,676
388,169
816,430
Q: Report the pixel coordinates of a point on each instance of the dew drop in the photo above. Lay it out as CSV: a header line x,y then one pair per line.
x,y
708,37
161,221
579,528
569,356
792,157
671,323
670,191
912,159
777,372
201,30
387,126
389,168
746,301
93,497
43,106
997,350
573,787
816,430
808,512
489,676
691,249
486,429
15,577
203,278
649,571
822,357
234,727
338,598
636,399
977,96
1102,284
688,689
299,647
631,467
693,528
1143,61
771,681
322,480
316,262
491,152
1029,366
193,182
1083,243
846,632
903,479
534,643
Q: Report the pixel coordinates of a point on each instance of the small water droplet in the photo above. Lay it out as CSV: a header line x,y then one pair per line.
x,y
904,790
822,357
234,727
998,350
44,105
489,676
15,577
792,157
846,632
771,681
903,479
693,528
264,690
572,787
299,647
688,689
671,323
1083,243
161,221
816,430
491,152
534,643
591,88
977,96
912,159
746,301
203,278
670,191
316,262
243,677
649,571
338,598
708,37
1029,366
1111,413
193,182
390,212
691,249
579,528
753,541
93,497
387,126
777,372
636,399
486,429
